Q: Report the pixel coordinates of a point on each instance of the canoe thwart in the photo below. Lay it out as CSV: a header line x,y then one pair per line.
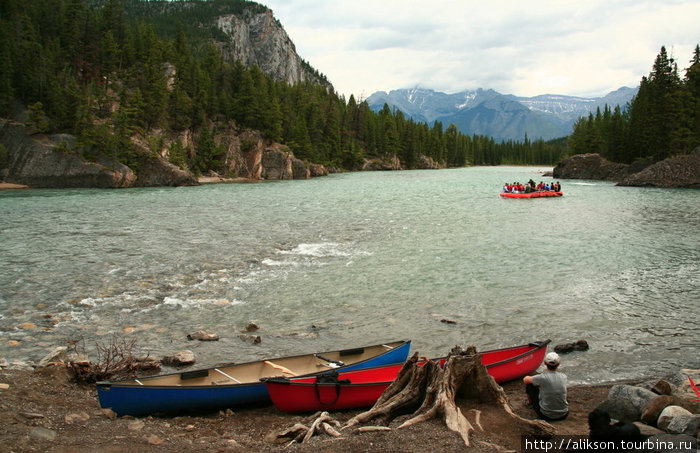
x,y
228,376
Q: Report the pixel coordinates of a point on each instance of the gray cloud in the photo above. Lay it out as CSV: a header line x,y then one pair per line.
x,y
524,48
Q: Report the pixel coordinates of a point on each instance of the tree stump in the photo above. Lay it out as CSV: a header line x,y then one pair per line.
x,y
424,390
435,391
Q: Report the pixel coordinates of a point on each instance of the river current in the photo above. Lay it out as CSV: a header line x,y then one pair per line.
x,y
354,259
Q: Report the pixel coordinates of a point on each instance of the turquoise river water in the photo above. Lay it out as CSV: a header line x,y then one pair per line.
x,y
354,259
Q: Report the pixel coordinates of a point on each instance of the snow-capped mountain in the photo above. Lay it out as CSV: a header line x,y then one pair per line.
x,y
503,117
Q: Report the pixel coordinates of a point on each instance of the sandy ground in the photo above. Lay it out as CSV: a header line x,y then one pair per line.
x,y
45,411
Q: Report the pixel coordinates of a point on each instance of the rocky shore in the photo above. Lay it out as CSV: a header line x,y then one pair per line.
x,y
675,172
43,408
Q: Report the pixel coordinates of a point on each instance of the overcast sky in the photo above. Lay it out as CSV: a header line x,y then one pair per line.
x,y
520,47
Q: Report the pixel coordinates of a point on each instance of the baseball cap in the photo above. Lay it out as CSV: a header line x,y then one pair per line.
x,y
552,359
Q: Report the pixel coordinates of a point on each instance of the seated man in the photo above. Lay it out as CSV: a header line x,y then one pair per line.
x,y
547,391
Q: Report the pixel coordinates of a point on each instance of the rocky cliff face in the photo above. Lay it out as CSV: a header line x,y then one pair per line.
x,y
53,161
257,38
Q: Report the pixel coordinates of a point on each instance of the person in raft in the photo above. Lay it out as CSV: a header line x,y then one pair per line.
x,y
547,391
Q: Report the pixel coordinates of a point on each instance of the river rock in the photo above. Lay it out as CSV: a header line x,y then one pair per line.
x,y
636,395
252,327
182,358
252,339
154,440
653,408
39,433
662,387
580,345
135,425
202,335
57,355
668,414
73,418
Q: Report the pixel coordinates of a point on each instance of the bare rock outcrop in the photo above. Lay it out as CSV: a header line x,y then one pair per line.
x,y
382,164
51,161
280,164
255,37
681,171
589,166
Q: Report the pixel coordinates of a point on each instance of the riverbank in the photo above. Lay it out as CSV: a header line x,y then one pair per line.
x,y
43,410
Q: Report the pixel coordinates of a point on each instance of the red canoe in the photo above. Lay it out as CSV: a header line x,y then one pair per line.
x,y
531,194
362,388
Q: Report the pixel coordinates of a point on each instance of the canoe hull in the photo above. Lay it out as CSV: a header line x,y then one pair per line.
x,y
532,194
145,395
365,386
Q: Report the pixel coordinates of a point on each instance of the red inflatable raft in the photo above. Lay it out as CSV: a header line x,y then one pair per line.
x,y
531,194
362,388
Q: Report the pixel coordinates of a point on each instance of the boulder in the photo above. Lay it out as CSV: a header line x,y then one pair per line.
x,y
653,408
202,335
57,355
182,358
155,171
668,414
580,345
317,170
662,387
638,396
684,424
620,409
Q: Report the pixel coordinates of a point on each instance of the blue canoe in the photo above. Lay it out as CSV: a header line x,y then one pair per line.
x,y
237,384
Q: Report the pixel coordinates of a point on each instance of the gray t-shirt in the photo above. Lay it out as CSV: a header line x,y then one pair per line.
x,y
552,386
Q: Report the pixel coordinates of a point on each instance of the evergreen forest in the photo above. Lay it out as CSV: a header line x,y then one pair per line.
x,y
95,69
663,119
98,69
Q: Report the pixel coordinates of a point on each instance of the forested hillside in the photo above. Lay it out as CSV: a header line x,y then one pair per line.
x,y
663,120
107,71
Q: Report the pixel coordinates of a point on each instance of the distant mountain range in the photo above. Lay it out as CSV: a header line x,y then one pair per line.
x,y
503,117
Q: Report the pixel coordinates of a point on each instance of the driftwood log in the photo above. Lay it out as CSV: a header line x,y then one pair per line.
x,y
423,390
